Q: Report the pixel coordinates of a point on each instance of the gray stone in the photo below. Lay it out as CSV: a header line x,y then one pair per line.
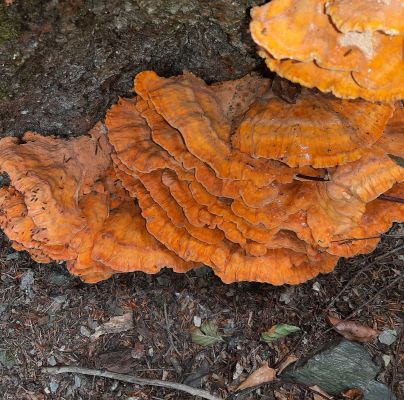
x,y
339,366
53,386
85,331
388,337
27,280
77,381
52,361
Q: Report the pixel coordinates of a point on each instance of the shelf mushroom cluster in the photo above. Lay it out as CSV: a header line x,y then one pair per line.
x,y
230,175
350,48
227,175
233,177
65,203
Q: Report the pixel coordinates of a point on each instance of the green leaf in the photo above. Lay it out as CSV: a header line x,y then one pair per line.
x,y
278,331
398,160
206,335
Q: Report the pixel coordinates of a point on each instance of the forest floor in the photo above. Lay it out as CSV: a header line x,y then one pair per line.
x,y
47,318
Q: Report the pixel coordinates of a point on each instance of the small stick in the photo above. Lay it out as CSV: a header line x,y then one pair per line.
x,y
312,178
170,336
306,387
373,298
394,199
131,379
365,268
347,240
281,381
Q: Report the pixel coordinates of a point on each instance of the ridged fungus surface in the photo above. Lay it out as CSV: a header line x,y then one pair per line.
x,y
228,175
333,46
367,15
316,130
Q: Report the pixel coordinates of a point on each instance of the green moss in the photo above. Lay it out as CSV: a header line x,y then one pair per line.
x,y
10,26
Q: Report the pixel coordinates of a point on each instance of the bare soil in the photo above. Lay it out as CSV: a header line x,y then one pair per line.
x,y
49,321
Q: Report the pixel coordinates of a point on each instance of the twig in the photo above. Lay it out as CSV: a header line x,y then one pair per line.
x,y
281,381
312,178
306,387
391,284
365,268
131,379
373,298
347,240
170,336
394,199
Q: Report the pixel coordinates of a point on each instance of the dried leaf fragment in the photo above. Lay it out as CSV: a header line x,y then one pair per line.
x,y
352,330
117,324
278,331
206,335
353,394
261,375
290,359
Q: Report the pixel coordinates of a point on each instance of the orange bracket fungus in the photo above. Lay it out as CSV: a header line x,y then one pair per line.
x,y
350,48
228,175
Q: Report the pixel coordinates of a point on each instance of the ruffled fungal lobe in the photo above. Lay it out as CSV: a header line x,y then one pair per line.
x,y
326,44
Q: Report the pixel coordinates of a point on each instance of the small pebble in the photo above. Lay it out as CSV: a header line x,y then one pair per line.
x,y
388,337
197,321
316,287
238,371
52,361
27,280
85,331
53,386
77,381
386,359
287,295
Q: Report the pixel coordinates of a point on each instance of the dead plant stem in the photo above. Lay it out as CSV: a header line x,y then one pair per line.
x,y
131,379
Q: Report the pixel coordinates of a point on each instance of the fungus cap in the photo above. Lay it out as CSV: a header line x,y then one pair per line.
x,y
317,130
367,15
300,42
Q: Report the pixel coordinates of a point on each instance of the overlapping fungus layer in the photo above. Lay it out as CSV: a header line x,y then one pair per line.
x,y
350,48
227,175
233,177
65,203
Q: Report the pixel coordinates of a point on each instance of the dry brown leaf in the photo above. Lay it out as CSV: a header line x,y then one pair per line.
x,y
353,394
117,324
352,330
290,359
261,375
319,394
